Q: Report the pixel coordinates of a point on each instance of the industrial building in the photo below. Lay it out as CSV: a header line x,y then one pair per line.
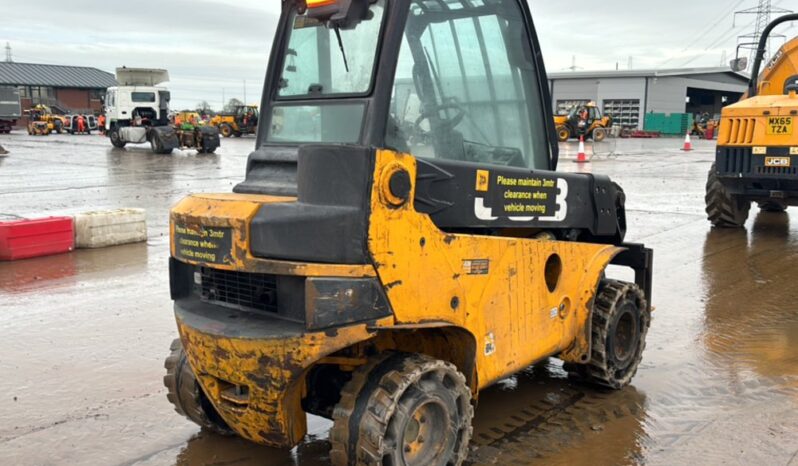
x,y
629,95
66,89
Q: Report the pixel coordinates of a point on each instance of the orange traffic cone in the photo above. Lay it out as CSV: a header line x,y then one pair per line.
x,y
581,157
688,144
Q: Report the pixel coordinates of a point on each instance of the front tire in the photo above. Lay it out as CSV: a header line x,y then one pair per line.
x,y
403,410
563,133
226,130
116,140
620,322
723,209
599,134
186,395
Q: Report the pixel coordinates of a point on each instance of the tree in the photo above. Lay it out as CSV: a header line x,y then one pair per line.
x,y
232,104
204,107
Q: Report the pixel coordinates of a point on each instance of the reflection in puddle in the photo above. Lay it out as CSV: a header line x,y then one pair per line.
x,y
751,319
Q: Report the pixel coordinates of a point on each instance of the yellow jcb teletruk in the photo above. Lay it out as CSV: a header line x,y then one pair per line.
x,y
402,239
238,121
757,153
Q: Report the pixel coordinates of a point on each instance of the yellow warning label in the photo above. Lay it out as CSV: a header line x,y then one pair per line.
x,y
483,181
212,245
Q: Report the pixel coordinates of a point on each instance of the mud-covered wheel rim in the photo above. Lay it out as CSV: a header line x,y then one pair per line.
x,y
403,410
620,322
624,336
422,430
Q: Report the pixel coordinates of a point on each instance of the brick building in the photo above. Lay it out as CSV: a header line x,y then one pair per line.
x,y
66,89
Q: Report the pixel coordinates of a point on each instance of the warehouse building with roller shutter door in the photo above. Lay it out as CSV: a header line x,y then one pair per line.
x,y
629,95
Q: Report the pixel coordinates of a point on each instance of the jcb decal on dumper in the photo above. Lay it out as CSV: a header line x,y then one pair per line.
x,y
778,162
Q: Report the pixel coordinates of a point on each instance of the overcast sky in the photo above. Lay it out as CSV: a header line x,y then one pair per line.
x,y
211,47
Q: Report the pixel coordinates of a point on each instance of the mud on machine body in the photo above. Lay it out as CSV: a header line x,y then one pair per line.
x,y
402,239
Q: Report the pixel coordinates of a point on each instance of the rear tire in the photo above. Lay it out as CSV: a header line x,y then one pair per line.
x,y
723,209
620,322
403,410
157,145
187,396
772,206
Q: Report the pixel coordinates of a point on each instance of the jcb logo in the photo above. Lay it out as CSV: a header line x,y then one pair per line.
x,y
779,126
483,181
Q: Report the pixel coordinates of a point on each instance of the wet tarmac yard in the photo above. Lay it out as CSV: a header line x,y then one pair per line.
x,y
83,335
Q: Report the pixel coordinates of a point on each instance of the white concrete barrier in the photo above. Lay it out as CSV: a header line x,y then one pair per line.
x,y
110,228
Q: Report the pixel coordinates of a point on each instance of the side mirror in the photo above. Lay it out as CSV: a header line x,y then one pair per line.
x,y
739,64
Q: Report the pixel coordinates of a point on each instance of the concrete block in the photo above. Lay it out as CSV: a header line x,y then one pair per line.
x,y
110,228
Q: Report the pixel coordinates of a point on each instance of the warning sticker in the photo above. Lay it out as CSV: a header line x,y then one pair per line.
x,y
483,181
521,198
476,266
212,245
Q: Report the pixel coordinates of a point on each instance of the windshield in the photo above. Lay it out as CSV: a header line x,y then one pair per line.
x,y
466,86
316,64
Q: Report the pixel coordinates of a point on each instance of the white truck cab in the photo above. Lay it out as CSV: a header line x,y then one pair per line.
x,y
137,112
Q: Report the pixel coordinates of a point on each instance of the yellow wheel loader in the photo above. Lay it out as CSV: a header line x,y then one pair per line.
x,y
757,153
402,239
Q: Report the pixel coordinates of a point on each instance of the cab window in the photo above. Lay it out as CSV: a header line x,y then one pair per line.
x,y
317,64
142,97
316,67
466,87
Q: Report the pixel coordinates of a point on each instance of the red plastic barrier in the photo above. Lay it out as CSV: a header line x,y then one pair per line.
x,y
24,239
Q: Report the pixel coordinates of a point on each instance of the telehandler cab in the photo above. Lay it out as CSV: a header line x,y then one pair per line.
x,y
401,241
757,153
